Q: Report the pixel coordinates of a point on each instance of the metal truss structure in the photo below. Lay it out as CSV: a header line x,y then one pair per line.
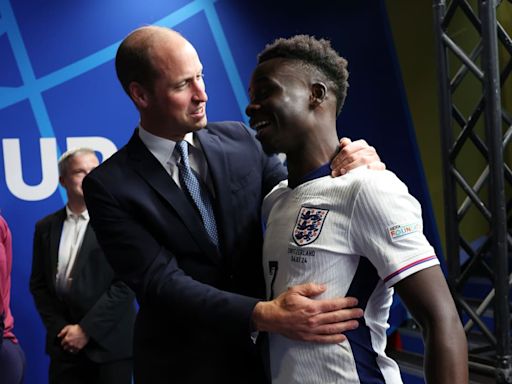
x,y
474,64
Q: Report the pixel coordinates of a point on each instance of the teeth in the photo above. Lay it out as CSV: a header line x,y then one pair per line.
x,y
260,124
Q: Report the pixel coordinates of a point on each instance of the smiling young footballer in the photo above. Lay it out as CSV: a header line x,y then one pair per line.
x,y
361,235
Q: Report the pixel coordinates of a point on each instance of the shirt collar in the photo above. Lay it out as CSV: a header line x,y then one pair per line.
x,y
324,170
162,148
82,215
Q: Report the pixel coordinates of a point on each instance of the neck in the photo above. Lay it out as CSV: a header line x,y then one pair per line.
x,y
157,129
312,155
77,206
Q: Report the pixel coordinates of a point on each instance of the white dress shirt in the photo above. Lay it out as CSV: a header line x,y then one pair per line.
x,y
71,239
163,150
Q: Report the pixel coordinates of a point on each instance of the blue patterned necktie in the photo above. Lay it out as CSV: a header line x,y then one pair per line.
x,y
193,186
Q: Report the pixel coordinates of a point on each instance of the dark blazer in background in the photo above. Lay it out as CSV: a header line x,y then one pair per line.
x,y
100,303
196,301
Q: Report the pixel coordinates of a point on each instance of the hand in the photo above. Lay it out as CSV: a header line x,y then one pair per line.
x,y
295,315
73,338
353,155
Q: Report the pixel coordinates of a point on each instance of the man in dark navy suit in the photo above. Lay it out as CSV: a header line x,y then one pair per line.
x,y
195,262
88,313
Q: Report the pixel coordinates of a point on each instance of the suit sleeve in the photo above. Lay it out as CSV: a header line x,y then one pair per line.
x,y
152,271
111,307
45,300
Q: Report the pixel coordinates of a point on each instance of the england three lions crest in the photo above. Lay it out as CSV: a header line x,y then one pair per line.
x,y
309,225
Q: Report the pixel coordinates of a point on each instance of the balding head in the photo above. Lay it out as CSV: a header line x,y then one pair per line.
x,y
134,55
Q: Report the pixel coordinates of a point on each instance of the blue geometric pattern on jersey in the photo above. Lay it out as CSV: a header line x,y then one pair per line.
x,y
309,225
363,284
196,191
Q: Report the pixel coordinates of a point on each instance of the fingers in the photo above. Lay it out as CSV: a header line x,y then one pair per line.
x,y
66,346
329,332
336,328
377,166
336,304
344,141
351,155
308,290
63,331
322,339
354,145
340,321
354,156
323,320
72,350
70,346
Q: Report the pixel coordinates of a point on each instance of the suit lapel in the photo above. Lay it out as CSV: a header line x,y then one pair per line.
x,y
55,233
213,150
145,164
87,242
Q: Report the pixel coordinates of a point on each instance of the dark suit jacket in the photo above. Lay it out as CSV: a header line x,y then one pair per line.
x,y
195,301
100,303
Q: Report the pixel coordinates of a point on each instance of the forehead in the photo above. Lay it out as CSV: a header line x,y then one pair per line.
x,y
81,158
174,55
280,70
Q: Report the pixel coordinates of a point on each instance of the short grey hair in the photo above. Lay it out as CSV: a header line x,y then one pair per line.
x,y
70,154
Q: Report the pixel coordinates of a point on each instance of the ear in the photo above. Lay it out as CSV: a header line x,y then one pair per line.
x,y
318,94
138,94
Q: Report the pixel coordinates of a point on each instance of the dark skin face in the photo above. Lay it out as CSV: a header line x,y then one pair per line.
x,y
279,98
292,113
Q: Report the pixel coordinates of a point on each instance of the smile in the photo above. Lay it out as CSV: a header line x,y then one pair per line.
x,y
260,124
198,112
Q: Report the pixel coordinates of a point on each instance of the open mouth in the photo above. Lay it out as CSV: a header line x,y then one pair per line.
x,y
260,128
199,112
260,124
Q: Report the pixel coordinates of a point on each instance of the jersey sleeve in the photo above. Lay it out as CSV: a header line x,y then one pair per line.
x,y
387,227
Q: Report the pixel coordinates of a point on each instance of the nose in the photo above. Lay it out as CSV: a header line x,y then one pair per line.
x,y
251,108
200,91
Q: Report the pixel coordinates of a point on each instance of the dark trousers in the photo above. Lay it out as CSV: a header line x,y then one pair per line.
x,y
81,370
12,363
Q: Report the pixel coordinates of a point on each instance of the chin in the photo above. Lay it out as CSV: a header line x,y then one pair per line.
x,y
269,149
197,127
202,122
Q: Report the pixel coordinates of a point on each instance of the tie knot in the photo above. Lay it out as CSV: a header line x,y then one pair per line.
x,y
182,148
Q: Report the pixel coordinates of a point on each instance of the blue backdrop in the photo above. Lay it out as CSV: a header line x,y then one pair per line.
x,y
58,90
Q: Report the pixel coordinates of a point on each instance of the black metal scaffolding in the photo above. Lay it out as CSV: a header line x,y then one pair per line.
x,y
475,58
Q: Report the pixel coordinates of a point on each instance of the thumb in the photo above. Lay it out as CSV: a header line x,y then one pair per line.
x,y
63,331
344,141
308,290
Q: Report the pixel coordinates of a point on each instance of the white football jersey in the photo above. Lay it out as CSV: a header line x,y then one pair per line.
x,y
359,234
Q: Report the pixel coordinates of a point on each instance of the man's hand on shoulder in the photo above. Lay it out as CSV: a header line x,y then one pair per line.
x,y
296,315
354,154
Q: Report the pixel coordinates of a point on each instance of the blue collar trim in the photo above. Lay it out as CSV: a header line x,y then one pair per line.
x,y
324,170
